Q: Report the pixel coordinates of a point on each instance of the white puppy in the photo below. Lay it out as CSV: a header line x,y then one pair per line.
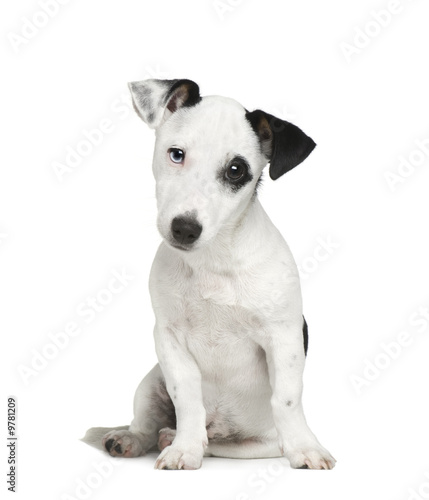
x,y
230,335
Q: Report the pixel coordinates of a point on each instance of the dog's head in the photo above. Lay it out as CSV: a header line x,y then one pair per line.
x,y
209,156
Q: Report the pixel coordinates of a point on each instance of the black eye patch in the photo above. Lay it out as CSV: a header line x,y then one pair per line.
x,y
235,174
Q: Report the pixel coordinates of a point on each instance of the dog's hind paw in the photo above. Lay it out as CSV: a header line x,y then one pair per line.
x,y
122,444
166,437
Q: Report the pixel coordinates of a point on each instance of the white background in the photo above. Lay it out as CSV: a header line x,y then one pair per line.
x,y
60,237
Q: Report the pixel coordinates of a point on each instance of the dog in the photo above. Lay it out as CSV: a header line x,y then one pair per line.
x,y
230,335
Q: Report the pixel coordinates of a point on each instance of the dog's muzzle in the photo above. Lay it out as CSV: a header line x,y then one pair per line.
x,y
185,230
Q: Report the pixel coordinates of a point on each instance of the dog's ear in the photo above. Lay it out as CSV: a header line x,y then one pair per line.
x,y
284,144
156,100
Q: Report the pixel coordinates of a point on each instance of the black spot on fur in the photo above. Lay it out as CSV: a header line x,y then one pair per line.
x,y
234,438
108,444
305,335
231,184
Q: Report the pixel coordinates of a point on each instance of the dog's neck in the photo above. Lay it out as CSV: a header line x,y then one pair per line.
x,y
238,246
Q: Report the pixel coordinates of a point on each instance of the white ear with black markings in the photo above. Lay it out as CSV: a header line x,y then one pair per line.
x,y
155,100
285,145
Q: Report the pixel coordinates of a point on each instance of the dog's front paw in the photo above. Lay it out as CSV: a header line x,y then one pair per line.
x,y
315,457
178,457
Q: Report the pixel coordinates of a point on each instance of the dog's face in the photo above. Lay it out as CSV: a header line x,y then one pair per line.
x,y
207,162
209,156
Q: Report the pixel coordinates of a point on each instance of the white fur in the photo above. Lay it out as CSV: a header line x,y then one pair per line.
x,y
229,324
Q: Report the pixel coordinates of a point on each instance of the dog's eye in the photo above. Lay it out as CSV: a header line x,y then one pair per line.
x,y
176,155
235,172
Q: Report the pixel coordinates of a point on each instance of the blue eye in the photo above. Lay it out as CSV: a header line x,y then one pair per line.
x,y
176,155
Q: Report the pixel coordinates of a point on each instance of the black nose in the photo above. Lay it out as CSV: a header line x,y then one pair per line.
x,y
186,230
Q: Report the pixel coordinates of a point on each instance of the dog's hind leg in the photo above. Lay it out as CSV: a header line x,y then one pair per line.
x,y
94,436
153,410
254,448
247,448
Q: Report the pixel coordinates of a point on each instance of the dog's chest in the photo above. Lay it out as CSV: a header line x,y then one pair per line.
x,y
218,323
216,319
214,289
219,332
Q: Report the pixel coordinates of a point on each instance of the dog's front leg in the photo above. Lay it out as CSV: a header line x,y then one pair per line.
x,y
183,382
286,358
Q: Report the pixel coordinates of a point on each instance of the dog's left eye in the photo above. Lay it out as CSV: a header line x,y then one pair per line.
x,y
176,155
235,172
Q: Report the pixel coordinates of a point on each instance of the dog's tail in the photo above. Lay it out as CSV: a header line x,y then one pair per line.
x,y
94,436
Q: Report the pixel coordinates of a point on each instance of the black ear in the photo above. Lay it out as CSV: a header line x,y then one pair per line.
x,y
284,144
155,100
